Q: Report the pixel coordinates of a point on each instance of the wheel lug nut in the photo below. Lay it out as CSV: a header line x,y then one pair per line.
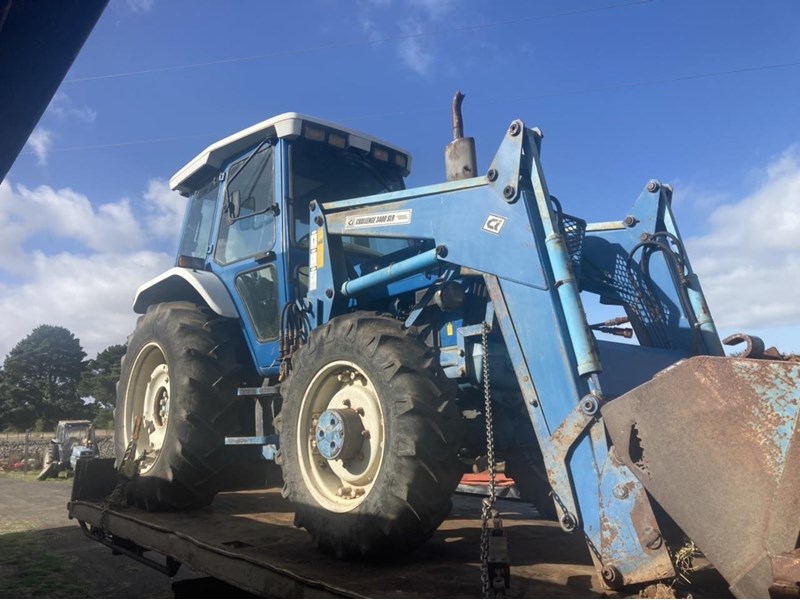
x,y
360,411
346,402
365,434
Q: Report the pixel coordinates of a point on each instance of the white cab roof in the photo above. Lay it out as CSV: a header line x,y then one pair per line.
x,y
287,125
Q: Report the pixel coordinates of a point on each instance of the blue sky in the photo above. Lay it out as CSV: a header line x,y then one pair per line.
x,y
702,95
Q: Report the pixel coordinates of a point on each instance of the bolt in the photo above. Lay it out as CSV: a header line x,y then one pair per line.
x,y
441,251
652,538
568,523
492,175
630,221
312,205
346,402
365,434
314,443
515,128
644,237
329,293
509,192
318,220
652,185
535,403
611,576
589,405
360,411
621,492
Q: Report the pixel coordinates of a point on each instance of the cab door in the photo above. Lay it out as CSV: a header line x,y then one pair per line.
x,y
247,254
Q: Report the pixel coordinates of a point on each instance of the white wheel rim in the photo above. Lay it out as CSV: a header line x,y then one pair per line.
x,y
340,485
148,396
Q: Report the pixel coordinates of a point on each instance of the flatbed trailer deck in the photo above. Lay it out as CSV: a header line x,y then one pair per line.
x,y
248,539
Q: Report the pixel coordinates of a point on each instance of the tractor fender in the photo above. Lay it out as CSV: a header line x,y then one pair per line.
x,y
179,283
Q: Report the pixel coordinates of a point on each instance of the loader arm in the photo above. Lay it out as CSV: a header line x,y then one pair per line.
x,y
503,225
535,267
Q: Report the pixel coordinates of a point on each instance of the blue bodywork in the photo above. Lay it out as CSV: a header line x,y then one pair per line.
x,y
516,238
523,267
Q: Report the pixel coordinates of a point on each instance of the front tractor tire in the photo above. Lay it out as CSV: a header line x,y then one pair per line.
x,y
180,374
369,437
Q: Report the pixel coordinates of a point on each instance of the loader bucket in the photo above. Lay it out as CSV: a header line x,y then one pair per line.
x,y
714,440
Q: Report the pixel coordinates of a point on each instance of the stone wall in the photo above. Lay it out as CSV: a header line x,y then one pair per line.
x,y
12,451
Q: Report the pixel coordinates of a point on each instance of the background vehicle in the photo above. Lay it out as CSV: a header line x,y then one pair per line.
x,y
74,440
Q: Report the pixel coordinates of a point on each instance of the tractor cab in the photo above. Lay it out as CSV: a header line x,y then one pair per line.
x,y
247,220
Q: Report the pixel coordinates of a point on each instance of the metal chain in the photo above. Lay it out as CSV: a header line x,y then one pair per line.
x,y
488,502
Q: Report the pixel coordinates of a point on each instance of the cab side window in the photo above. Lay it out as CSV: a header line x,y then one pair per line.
x,y
247,227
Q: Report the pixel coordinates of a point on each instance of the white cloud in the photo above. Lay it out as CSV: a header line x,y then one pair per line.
x,y
64,108
60,109
89,295
433,9
66,214
369,27
90,289
140,7
416,52
749,261
41,142
165,209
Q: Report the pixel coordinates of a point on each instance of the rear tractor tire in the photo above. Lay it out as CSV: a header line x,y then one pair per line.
x,y
50,462
369,438
180,374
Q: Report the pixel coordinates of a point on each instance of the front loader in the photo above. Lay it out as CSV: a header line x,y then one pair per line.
x,y
386,337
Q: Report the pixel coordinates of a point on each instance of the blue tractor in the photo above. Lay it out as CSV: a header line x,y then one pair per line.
x,y
73,440
387,336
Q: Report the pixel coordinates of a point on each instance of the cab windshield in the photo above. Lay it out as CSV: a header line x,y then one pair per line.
x,y
323,173
198,220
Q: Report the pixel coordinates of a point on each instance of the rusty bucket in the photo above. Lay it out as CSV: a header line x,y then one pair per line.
x,y
714,441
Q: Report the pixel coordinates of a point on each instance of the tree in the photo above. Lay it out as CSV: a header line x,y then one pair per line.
x,y
99,379
40,378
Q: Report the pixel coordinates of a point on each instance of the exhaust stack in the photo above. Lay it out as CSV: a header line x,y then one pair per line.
x,y
459,155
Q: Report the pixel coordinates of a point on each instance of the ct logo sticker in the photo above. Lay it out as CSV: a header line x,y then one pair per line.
x,y
494,224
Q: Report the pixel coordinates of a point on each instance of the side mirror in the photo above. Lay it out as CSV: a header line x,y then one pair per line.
x,y
233,205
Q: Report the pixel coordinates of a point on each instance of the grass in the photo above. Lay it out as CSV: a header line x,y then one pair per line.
x,y
29,570
28,566
31,476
